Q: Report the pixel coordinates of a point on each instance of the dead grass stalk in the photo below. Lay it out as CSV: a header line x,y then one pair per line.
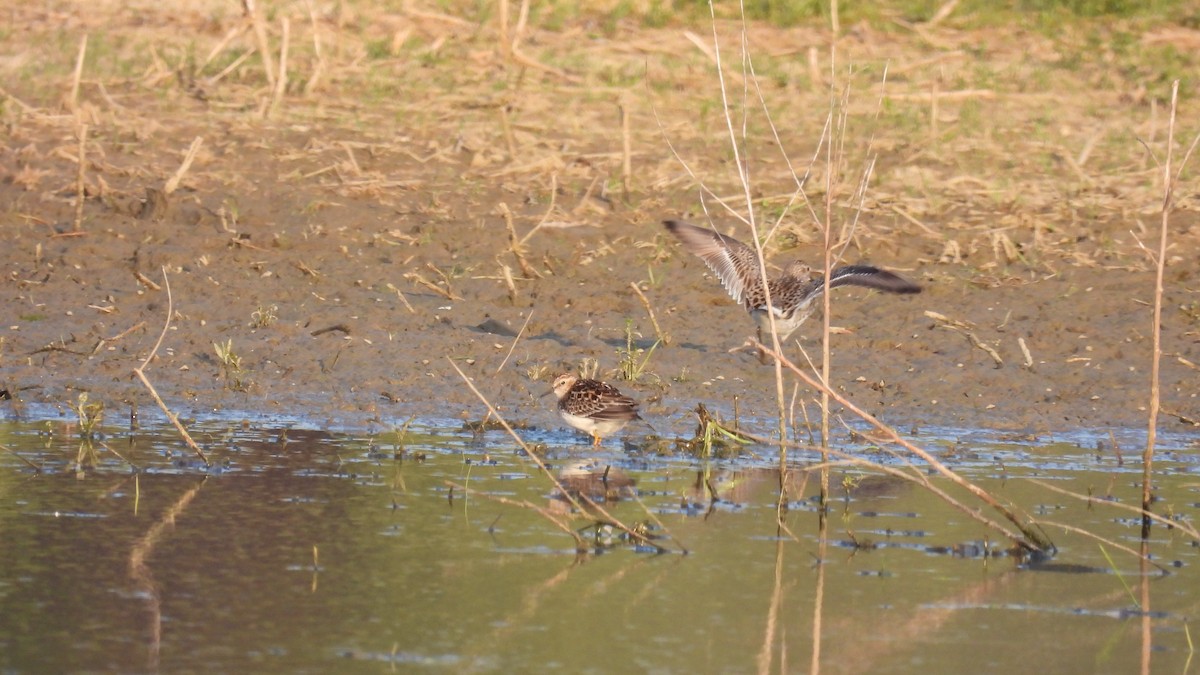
x,y
515,341
319,67
172,184
80,190
281,80
1033,539
658,331
1181,526
747,194
140,371
1169,181
77,75
260,35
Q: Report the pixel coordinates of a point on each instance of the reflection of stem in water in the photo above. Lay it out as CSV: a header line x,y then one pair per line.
x,y
143,577
580,545
819,596
316,567
1033,541
14,453
1187,665
467,489
121,457
531,600
1170,523
771,630
86,452
1147,636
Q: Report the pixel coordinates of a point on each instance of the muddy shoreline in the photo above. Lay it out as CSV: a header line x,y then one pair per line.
x,y
344,346
348,245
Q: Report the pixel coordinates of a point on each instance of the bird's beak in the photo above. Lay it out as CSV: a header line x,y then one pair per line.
x,y
545,394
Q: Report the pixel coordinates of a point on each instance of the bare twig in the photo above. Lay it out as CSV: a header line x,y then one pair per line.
x,y
280,85
509,282
260,34
1156,327
319,68
220,46
626,149
80,189
943,12
515,245
502,30
173,183
965,330
146,281
444,292
1025,352
549,209
1180,525
510,141
1034,541
402,297
103,341
73,98
658,331
515,341
1104,540
140,371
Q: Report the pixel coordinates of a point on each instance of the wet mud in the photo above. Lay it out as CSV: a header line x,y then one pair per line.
x,y
354,314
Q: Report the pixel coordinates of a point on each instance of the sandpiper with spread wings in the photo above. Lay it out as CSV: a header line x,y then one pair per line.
x,y
593,407
792,293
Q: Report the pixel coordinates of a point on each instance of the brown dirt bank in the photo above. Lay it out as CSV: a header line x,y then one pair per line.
x,y
341,209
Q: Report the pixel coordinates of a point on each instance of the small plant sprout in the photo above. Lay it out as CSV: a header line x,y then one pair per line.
x,y
264,316
588,368
231,366
537,371
632,365
713,438
90,416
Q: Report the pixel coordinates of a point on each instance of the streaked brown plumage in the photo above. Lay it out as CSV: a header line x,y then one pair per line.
x,y
592,406
792,292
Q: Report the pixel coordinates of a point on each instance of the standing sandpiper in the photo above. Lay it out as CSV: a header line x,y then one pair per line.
x,y
592,406
792,292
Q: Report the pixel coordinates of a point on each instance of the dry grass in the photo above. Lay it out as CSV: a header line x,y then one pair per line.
x,y
571,101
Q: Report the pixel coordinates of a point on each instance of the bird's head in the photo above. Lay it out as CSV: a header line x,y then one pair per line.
x,y
563,384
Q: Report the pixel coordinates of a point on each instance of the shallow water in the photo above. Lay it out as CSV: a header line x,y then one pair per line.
x,y
307,550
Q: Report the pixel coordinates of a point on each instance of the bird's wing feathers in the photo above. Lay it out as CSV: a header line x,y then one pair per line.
x,y
727,257
872,277
599,400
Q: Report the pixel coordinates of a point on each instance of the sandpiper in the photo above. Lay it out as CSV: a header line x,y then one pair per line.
x,y
592,406
792,292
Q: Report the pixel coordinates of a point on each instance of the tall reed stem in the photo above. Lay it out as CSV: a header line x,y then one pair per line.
x,y
1156,331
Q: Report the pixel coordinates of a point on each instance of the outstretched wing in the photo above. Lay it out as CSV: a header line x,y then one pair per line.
x,y
734,263
865,276
872,277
